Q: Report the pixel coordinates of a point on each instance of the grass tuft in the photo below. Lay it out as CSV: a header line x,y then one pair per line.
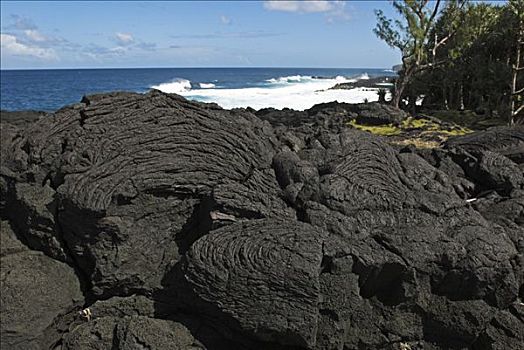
x,y
418,143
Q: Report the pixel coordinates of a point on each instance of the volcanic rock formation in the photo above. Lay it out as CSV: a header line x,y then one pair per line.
x,y
146,221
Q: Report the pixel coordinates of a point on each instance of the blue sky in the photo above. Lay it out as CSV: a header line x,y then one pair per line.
x,y
192,34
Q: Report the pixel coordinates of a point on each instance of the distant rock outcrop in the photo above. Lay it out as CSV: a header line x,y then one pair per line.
x,y
20,119
146,221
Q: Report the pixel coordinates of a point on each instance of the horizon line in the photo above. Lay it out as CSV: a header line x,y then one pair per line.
x,y
219,67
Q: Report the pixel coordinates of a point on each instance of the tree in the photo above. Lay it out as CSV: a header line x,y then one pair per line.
x,y
476,57
412,36
517,100
465,76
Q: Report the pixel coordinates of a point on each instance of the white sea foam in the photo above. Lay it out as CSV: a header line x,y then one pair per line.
x,y
290,79
297,92
175,86
207,85
364,76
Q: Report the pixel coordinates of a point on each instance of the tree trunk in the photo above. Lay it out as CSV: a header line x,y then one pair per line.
x,y
445,97
517,105
400,85
461,96
412,104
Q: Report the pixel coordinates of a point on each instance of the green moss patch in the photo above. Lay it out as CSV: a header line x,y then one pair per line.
x,y
383,130
419,132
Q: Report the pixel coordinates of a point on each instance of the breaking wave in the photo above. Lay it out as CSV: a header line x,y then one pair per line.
x,y
290,79
175,86
207,85
296,91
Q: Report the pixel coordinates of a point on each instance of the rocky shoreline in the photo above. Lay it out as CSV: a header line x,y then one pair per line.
x,y
384,82
146,221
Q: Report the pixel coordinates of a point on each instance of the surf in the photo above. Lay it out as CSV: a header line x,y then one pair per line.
x,y
298,92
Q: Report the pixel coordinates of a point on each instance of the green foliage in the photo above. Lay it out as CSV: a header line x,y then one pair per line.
x,y
412,36
475,61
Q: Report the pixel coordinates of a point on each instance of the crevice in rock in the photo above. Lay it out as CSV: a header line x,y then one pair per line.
x,y
385,282
85,282
329,313
64,145
326,266
83,117
169,193
301,212
26,147
115,344
198,225
56,179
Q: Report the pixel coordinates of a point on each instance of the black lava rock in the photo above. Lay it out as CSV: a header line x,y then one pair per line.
x,y
146,221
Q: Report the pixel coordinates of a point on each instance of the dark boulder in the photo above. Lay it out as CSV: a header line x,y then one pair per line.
x,y
491,171
32,211
365,113
130,333
284,117
378,113
35,288
507,141
264,275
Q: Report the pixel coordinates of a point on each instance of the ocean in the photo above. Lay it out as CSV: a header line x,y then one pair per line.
x,y
297,88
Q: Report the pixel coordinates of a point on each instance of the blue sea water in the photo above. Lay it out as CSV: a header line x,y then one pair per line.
x,y
49,90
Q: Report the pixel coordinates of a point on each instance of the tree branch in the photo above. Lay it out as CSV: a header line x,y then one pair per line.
x,y
518,110
431,18
518,92
430,65
441,42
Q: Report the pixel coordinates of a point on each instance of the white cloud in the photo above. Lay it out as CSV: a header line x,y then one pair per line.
x,y
35,35
226,20
124,38
11,46
299,6
333,10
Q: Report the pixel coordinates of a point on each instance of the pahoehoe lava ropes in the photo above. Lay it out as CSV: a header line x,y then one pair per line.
x,y
150,220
